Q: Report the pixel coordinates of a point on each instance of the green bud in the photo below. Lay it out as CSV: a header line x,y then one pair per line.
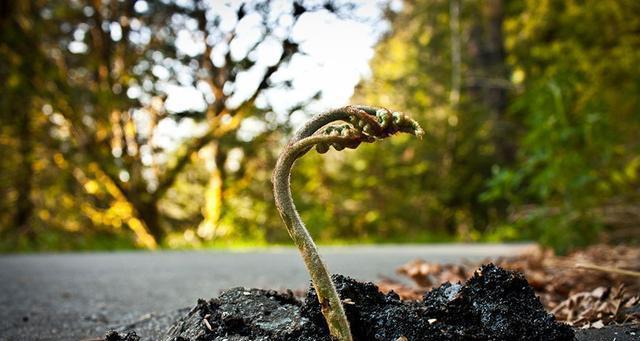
x,y
368,130
397,117
383,117
322,148
352,144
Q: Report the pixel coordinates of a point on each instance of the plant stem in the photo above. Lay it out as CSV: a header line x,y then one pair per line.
x,y
364,124
327,295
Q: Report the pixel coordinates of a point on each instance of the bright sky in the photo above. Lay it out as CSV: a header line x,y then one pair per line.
x,y
337,57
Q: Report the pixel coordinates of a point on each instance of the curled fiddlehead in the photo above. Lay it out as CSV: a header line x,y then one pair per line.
x,y
341,128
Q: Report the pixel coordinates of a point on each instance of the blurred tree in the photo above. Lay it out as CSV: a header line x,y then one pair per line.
x,y
578,110
443,62
121,115
16,72
558,133
102,74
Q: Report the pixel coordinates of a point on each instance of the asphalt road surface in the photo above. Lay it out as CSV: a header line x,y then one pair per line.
x,y
79,296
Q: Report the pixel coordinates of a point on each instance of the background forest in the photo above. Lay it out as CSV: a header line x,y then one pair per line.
x,y
531,110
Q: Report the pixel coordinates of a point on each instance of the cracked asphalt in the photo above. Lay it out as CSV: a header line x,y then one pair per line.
x,y
79,296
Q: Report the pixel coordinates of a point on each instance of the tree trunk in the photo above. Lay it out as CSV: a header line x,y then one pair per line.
x,y
149,214
212,213
24,176
17,104
489,84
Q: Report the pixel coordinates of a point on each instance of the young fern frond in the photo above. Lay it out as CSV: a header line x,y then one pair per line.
x,y
341,128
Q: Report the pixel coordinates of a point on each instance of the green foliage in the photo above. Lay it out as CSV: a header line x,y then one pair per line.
x,y
578,117
87,86
436,184
549,163
538,141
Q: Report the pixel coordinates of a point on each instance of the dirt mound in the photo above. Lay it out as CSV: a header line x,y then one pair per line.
x,y
575,294
495,304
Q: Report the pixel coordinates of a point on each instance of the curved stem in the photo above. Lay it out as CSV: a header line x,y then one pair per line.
x,y
366,124
327,295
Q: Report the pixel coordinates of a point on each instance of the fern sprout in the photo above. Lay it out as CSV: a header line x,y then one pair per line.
x,y
341,128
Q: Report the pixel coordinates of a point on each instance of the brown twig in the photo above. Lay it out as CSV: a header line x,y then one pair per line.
x,y
608,269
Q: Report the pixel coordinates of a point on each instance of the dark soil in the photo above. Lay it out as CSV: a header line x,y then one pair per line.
x,y
495,304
